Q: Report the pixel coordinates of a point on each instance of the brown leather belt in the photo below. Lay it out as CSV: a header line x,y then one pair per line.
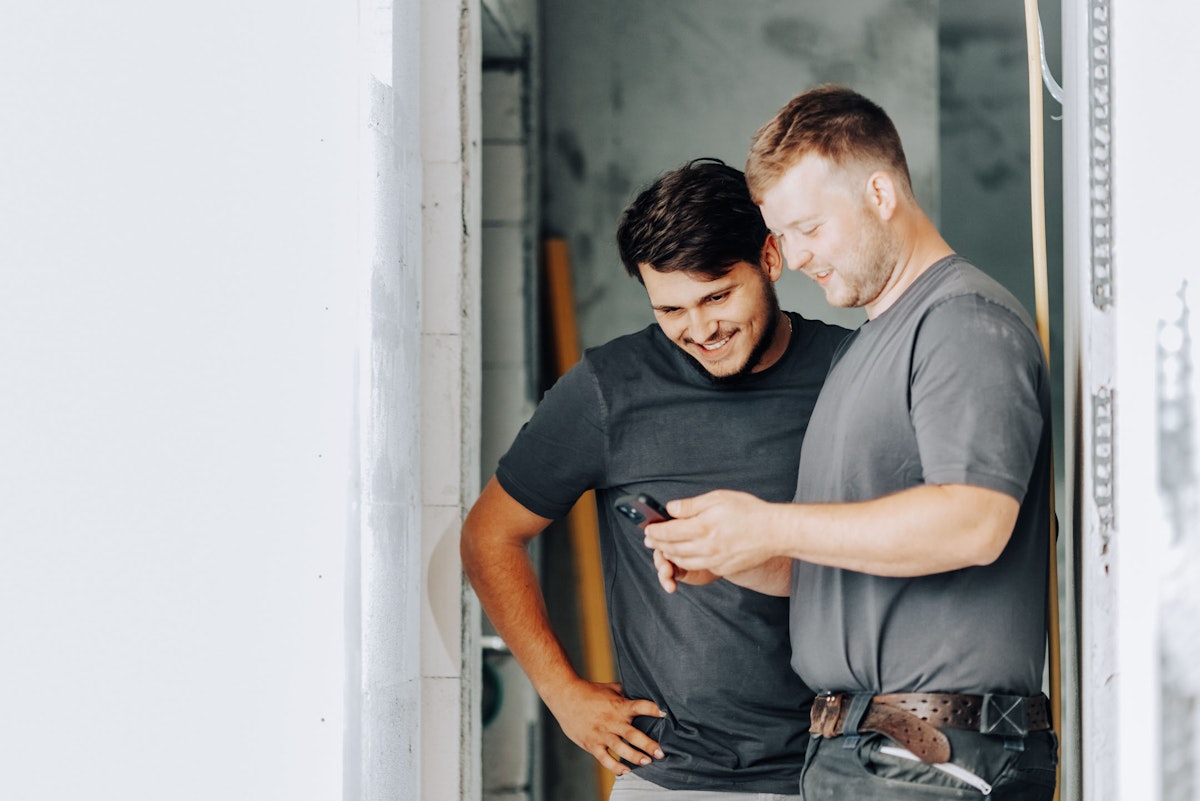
x,y
913,719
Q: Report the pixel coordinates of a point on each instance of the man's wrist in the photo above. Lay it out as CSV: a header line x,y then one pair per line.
x,y
780,519
555,691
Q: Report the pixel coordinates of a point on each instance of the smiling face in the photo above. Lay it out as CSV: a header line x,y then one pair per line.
x,y
829,227
728,325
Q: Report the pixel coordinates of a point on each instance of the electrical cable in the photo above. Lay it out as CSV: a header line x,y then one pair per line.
x,y
1037,72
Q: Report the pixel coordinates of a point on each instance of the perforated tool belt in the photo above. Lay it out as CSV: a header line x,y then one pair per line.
x,y
914,720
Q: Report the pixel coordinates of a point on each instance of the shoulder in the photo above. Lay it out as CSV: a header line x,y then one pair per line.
x,y
956,278
816,338
817,330
955,293
628,357
981,327
603,370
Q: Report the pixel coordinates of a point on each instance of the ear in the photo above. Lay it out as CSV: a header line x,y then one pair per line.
x,y
881,194
771,258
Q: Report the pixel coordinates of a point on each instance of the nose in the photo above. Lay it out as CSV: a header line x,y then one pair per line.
x,y
701,327
796,257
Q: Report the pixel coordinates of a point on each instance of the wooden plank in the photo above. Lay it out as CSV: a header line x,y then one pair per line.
x,y
582,522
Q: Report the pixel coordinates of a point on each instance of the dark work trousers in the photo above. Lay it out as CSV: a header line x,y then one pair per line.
x,y
870,769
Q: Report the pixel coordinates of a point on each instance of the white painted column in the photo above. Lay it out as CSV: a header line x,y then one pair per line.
x,y
383,740
419,387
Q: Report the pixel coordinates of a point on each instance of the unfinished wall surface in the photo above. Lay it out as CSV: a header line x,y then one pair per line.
x,y
510,738
984,131
449,224
636,87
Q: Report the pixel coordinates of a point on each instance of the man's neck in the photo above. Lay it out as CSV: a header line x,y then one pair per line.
x,y
779,342
927,249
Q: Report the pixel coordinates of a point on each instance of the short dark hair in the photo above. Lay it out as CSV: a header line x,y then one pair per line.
x,y
832,121
698,218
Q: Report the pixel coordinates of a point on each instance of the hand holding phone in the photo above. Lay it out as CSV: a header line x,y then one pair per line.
x,y
643,510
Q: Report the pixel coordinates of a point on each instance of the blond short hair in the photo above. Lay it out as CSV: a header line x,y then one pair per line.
x,y
834,122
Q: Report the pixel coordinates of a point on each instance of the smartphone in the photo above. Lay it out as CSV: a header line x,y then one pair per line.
x,y
641,509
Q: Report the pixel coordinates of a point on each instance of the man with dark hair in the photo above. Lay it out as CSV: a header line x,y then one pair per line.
x,y
920,525
717,393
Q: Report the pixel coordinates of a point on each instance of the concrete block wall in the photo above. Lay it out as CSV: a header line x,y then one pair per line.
x,y
450,48
509,263
511,741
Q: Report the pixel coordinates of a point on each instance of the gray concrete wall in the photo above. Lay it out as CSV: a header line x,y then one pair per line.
x,y
984,133
636,87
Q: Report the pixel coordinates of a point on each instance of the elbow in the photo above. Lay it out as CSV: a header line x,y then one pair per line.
x,y
468,550
993,520
989,547
992,536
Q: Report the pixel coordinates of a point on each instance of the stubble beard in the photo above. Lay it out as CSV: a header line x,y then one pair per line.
x,y
756,353
876,258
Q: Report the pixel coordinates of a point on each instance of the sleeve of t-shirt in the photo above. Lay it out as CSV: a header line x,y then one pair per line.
x,y
559,454
976,384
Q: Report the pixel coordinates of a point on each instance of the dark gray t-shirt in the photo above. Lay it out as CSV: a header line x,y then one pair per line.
x,y
948,386
635,415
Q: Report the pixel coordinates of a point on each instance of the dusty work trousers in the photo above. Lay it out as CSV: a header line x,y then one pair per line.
x,y
871,768
631,787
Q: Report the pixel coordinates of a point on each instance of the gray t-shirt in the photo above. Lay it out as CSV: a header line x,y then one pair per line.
x,y
635,415
948,386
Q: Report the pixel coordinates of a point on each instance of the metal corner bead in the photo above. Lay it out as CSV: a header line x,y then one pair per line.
x,y
1103,494
1100,160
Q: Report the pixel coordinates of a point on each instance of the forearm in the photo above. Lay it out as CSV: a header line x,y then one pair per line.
x,y
596,717
920,531
507,586
773,577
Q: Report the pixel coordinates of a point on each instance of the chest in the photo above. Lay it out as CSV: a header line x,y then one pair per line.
x,y
861,442
743,440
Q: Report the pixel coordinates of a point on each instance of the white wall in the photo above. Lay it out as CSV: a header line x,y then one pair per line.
x,y
177,349
1156,283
